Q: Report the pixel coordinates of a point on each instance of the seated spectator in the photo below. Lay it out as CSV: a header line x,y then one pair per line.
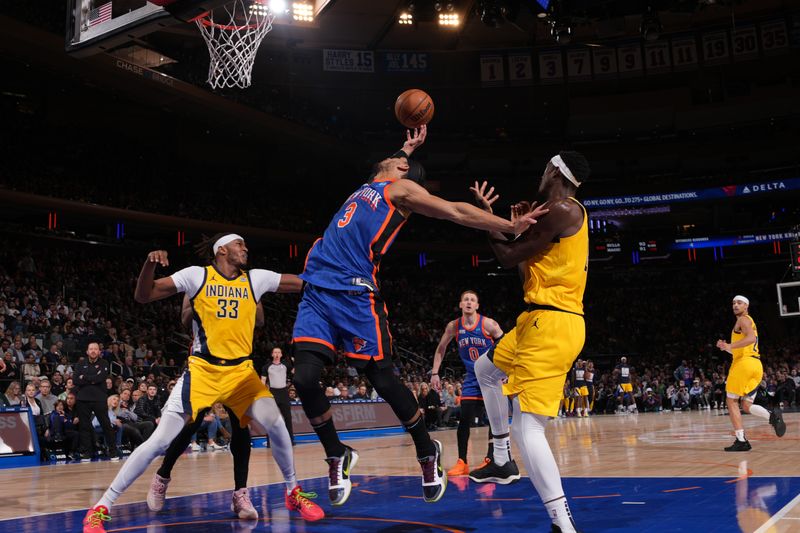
x,y
46,397
429,403
680,399
63,367
31,402
116,426
785,391
211,425
57,384
361,393
718,391
12,394
30,369
652,401
68,386
137,431
64,429
696,398
224,421
110,389
449,404
148,408
9,370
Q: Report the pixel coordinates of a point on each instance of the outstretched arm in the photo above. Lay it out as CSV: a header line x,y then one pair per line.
x,y
290,283
410,196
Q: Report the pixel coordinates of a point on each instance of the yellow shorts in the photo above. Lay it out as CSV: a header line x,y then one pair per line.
x,y
744,376
626,387
537,354
582,391
204,384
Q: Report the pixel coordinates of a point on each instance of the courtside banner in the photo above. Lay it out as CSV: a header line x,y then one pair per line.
x,y
15,433
715,193
350,415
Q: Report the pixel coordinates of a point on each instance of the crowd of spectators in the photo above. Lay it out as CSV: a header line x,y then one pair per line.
x,y
55,298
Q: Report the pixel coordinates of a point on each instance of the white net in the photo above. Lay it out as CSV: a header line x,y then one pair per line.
x,y
233,35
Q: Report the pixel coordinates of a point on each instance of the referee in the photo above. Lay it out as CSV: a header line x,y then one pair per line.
x,y
89,376
278,373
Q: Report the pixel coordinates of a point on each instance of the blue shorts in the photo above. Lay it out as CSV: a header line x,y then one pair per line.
x,y
356,323
470,390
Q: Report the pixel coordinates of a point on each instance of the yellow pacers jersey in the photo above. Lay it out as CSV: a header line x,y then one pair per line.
x,y
748,351
556,276
224,316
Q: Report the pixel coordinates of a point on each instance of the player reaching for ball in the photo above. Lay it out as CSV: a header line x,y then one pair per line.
x,y
342,307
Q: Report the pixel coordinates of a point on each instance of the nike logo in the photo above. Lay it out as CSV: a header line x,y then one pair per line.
x,y
536,323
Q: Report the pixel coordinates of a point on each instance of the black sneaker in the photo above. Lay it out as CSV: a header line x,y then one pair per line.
x,y
776,421
739,446
434,478
339,468
491,473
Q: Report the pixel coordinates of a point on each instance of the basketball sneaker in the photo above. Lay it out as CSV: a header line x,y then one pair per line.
x,y
460,469
157,492
434,478
241,505
490,472
93,521
776,421
339,468
739,446
297,500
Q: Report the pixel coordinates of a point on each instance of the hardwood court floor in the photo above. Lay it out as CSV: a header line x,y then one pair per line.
x,y
612,463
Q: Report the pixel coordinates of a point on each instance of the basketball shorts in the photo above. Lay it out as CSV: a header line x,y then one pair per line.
x,y
626,387
204,384
356,323
582,391
744,377
470,390
537,354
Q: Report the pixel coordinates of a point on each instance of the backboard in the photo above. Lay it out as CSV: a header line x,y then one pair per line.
x,y
95,26
788,298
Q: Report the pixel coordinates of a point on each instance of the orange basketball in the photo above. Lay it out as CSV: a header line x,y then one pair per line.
x,y
413,108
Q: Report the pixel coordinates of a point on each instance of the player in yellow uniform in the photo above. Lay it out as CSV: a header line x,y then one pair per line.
x,y
745,375
538,353
224,297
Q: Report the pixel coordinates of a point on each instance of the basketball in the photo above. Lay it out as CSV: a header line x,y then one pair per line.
x,y
413,108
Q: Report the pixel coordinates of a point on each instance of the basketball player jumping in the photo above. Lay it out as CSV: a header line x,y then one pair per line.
x,y
474,334
342,307
240,446
745,375
536,355
224,299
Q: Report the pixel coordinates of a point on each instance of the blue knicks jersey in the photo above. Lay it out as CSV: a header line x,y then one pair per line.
x,y
348,255
471,344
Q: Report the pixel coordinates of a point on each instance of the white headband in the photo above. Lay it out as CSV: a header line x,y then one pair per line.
x,y
741,299
225,239
559,163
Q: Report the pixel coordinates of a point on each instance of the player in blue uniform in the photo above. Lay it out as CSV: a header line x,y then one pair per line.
x,y
474,334
342,308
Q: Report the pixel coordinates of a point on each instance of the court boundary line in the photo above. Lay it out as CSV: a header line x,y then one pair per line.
x,y
777,517
145,501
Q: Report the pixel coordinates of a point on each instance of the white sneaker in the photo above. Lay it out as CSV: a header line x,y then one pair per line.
x,y
195,447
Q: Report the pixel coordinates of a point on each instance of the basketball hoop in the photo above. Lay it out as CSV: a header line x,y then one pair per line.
x,y
233,36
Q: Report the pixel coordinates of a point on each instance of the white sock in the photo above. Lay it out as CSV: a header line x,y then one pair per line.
x,y
265,411
740,435
759,411
170,426
490,380
528,429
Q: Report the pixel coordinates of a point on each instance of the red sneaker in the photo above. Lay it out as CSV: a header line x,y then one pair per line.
x,y
298,500
93,521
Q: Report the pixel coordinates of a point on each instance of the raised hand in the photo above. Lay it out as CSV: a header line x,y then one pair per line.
x,y
415,140
484,198
525,214
158,256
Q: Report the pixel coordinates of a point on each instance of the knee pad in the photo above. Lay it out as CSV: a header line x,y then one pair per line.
x,y
307,371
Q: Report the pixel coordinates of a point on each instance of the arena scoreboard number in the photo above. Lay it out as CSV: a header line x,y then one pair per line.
x,y
795,251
